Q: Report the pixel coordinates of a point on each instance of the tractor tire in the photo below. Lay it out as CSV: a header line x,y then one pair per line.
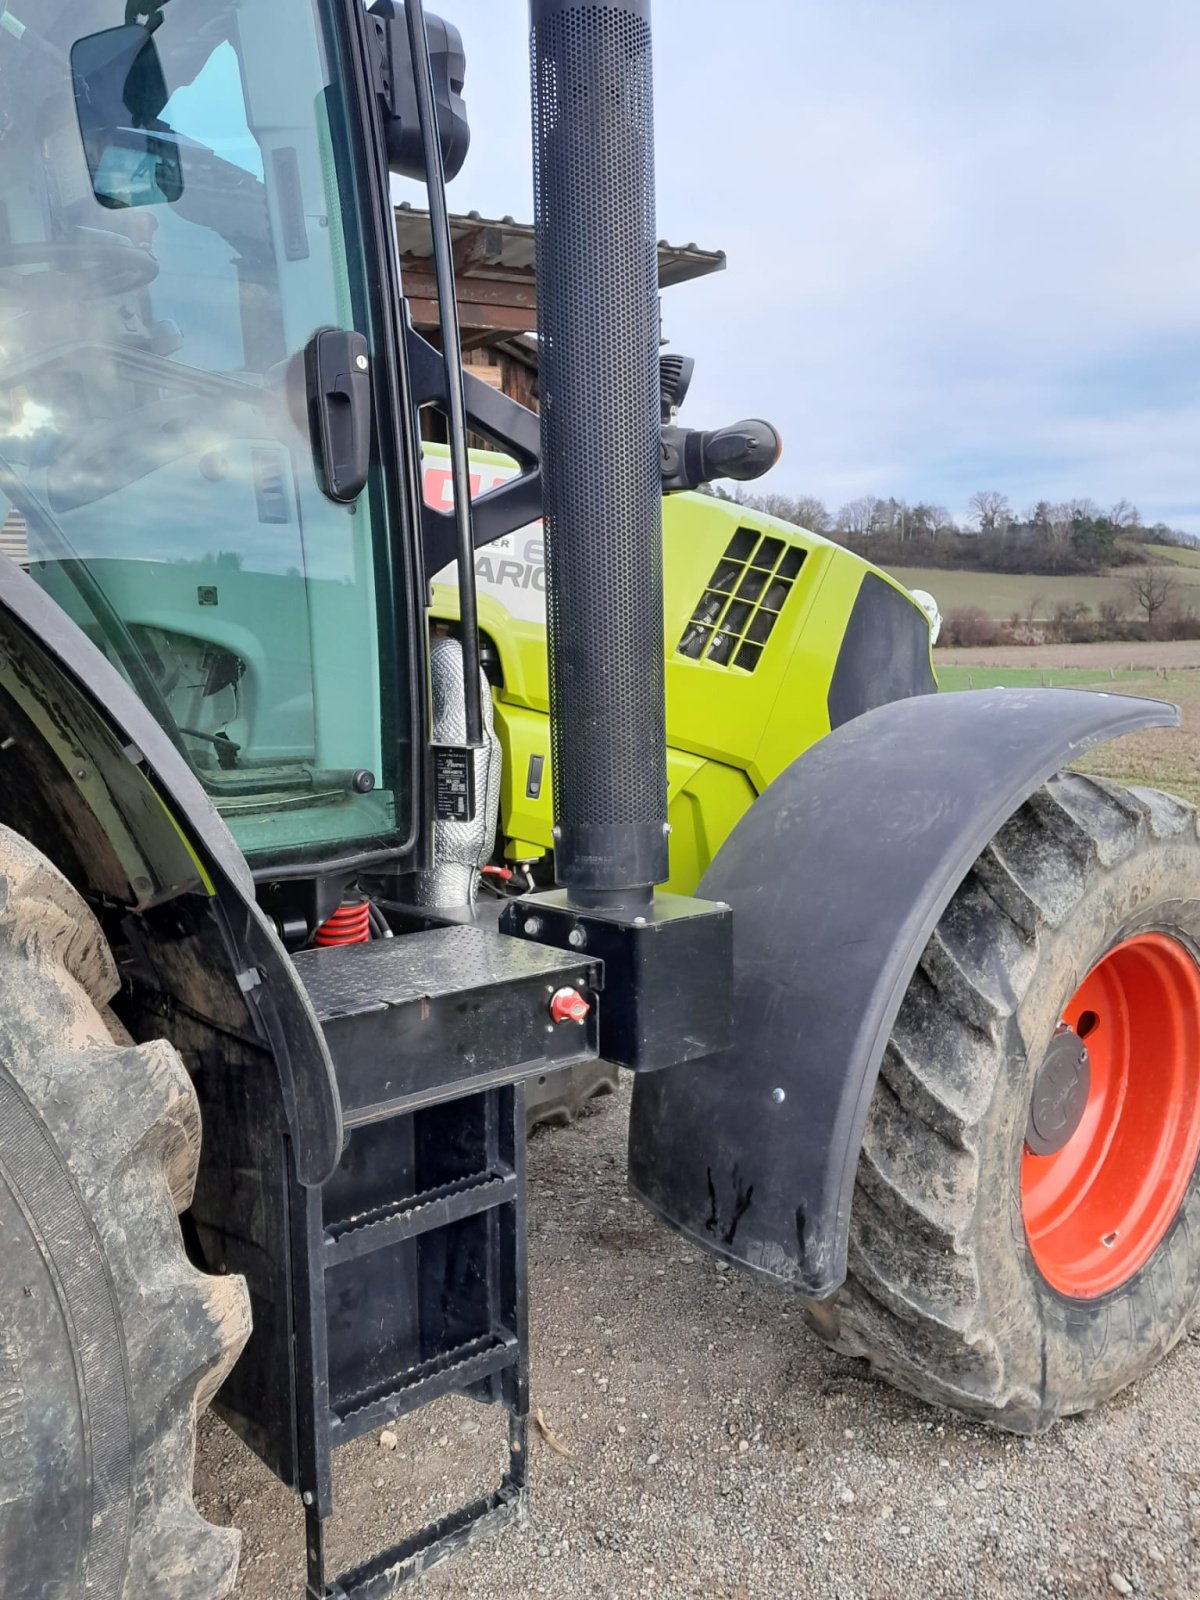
x,y
560,1098
1014,1286
110,1341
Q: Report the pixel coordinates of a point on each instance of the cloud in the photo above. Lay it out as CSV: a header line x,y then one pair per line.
x,y
962,240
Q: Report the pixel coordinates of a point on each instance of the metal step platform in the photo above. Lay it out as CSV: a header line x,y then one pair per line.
x,y
407,1274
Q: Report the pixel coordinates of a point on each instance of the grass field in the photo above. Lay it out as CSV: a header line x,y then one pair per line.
x,y
1000,594
1166,758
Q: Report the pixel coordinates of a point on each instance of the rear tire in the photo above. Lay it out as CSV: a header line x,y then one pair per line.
x,y
110,1341
944,1297
560,1098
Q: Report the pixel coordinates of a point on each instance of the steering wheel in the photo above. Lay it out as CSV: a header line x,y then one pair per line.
x,y
98,267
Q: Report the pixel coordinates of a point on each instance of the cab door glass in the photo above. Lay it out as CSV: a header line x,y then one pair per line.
x,y
177,220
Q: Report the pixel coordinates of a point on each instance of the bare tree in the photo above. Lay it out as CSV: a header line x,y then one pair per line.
x,y
991,510
805,510
859,516
810,513
1152,589
940,520
1125,515
772,505
1057,523
1083,506
925,520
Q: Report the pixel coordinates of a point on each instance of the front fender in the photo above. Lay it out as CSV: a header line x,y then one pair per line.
x,y
145,780
837,876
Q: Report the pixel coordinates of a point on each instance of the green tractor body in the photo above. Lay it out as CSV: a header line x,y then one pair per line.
x,y
774,635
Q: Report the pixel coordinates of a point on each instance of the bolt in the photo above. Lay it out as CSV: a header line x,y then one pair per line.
x,y
639,922
82,774
307,1497
361,363
556,832
667,829
533,926
779,1096
577,938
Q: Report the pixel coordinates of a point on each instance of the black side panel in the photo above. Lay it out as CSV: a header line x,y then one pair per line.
x,y
884,654
837,876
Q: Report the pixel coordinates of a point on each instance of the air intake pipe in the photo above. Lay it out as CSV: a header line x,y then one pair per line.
x,y
598,327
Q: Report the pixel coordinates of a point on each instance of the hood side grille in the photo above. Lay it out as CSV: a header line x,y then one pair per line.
x,y
743,600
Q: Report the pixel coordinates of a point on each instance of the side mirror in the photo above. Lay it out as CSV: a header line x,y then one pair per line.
x,y
120,93
397,87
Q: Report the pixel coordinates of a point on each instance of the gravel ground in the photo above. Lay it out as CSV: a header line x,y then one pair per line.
x,y
718,1451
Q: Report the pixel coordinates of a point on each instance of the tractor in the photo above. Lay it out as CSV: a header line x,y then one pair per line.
x,y
922,1044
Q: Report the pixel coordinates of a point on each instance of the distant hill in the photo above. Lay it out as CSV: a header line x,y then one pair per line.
x,y
999,594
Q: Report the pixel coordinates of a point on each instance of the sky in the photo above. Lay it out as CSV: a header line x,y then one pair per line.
x,y
963,235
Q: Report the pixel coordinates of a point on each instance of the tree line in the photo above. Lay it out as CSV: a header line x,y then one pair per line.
x,y
1047,538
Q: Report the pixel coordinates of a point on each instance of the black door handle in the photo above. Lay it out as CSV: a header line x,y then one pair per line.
x,y
338,373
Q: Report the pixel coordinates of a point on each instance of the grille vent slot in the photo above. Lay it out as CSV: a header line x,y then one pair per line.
x,y
742,603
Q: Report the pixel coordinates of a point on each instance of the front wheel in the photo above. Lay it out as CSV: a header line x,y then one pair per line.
x,y
110,1341
1025,1235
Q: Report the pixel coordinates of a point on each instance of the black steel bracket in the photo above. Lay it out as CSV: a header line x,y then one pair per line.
x,y
501,421
668,972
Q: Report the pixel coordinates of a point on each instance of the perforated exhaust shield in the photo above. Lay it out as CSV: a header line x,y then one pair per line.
x,y
597,274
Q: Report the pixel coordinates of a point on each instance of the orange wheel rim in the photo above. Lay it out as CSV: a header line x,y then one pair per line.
x,y
1096,1210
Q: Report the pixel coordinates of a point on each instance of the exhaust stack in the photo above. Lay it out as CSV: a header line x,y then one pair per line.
x,y
598,326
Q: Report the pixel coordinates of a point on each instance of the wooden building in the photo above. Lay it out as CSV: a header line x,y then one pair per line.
x,y
497,291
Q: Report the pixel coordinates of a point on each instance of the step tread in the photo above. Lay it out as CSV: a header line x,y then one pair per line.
x,y
421,1213
386,1573
355,1414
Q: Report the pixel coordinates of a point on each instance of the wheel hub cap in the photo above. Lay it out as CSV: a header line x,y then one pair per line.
x,y
1113,1133
1060,1094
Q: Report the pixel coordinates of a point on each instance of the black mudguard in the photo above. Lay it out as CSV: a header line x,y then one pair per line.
x,y
837,876
274,995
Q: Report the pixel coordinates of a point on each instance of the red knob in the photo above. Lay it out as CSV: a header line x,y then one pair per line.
x,y
568,1005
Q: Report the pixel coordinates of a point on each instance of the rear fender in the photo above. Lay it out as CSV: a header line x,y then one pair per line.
x,y
837,876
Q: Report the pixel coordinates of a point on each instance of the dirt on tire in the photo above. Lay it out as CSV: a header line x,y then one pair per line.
x,y
111,1343
557,1099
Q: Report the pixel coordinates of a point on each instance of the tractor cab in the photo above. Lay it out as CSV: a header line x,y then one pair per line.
x,y
194,428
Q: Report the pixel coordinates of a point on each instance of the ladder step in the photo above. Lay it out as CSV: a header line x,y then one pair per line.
x,y
385,1574
406,1219
451,1372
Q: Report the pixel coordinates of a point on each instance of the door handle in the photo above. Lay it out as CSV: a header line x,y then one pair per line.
x,y
338,375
